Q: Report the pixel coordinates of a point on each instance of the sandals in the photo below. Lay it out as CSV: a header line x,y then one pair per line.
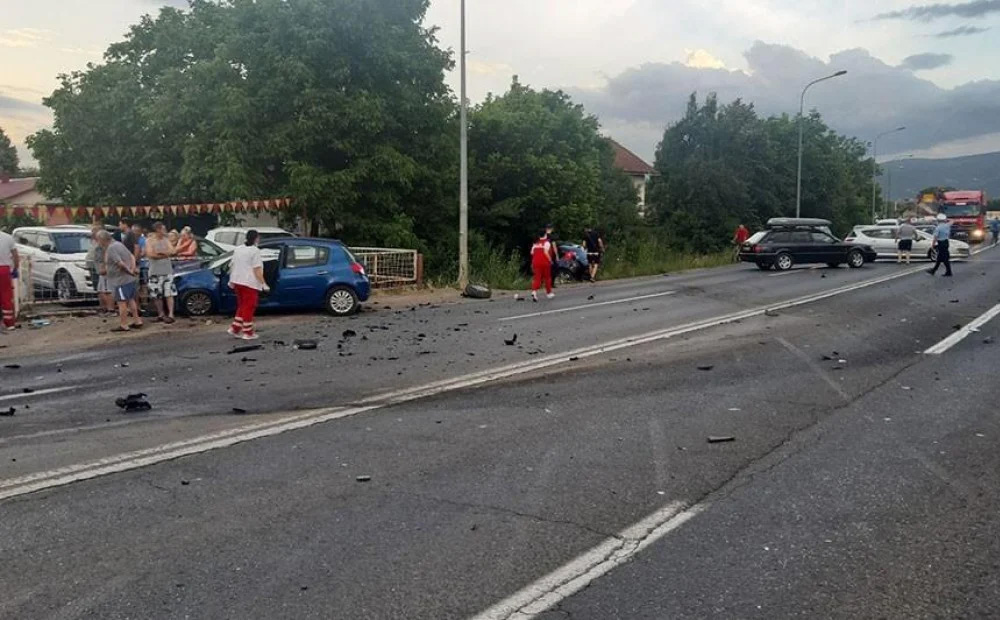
x,y
120,329
136,326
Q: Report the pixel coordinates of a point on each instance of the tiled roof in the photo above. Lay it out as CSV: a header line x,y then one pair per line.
x,y
628,161
15,187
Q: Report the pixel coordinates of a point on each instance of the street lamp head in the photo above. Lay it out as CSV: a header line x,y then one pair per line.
x,y
840,73
900,128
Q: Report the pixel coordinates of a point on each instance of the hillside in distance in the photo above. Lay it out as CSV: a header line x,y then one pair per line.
x,y
909,176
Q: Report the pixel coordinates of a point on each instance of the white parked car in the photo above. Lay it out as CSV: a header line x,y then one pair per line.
x,y
229,237
58,257
883,240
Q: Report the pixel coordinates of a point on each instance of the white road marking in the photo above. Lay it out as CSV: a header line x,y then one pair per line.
x,y
24,395
578,573
31,483
586,306
811,363
964,333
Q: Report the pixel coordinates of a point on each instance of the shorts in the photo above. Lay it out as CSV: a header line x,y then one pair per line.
x,y
125,292
595,258
102,284
906,245
161,287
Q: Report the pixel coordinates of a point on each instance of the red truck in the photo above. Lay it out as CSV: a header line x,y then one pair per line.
x,y
966,210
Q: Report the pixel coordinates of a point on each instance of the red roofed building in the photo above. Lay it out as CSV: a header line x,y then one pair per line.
x,y
638,170
21,192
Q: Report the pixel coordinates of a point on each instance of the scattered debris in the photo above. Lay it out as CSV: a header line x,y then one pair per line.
x,y
721,439
239,411
827,358
134,402
349,333
241,349
7,413
771,313
706,367
12,366
574,359
40,323
956,326
247,359
988,340
185,482
591,298
27,390
953,301
364,478
907,388
305,345
511,341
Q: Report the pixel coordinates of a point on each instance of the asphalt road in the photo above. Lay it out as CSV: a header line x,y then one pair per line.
x,y
860,481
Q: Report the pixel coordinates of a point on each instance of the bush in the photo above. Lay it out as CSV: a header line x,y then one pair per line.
x,y
646,256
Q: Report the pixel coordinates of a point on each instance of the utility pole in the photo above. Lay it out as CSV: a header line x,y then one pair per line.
x,y
463,200
875,167
802,105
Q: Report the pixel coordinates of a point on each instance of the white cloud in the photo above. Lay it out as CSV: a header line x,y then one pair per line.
x,y
702,59
24,37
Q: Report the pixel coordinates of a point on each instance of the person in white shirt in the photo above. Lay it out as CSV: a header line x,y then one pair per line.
x,y
9,262
246,277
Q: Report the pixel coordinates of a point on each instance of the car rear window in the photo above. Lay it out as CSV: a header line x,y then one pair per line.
x,y
756,237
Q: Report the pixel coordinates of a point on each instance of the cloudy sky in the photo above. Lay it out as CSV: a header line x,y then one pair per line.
x,y
934,67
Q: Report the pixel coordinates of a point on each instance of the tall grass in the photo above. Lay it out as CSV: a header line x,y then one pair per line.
x,y
647,257
491,266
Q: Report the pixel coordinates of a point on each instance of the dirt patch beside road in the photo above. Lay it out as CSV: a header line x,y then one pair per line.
x,y
70,332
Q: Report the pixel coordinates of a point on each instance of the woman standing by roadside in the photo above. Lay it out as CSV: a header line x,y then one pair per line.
x,y
246,277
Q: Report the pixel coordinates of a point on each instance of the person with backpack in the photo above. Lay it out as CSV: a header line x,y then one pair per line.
x,y
541,266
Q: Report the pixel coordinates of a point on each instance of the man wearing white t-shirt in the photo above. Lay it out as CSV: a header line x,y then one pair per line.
x,y
9,262
246,277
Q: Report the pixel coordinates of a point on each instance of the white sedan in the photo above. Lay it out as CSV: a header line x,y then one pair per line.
x,y
883,240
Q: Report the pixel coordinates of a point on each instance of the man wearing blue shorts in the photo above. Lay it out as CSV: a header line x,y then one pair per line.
x,y
122,281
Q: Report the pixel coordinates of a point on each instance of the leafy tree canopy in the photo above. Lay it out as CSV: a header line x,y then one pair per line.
x,y
8,155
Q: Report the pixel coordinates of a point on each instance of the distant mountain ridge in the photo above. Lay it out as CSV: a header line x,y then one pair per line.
x,y
909,176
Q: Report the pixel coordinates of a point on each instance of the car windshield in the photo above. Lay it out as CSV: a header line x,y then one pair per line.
x,y
960,210
215,263
72,243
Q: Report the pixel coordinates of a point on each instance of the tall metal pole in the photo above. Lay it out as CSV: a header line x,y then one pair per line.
x,y
802,106
463,200
875,167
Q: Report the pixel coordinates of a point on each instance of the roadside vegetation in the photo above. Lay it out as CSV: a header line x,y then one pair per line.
x,y
245,100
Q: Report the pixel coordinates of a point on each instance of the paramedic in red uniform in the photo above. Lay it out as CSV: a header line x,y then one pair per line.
x,y
9,262
541,266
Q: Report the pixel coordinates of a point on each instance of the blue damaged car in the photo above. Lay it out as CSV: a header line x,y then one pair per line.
x,y
302,273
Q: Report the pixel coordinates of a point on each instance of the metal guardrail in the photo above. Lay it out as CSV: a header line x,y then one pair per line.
x,y
389,267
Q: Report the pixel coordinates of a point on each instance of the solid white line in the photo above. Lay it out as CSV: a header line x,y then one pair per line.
x,y
578,573
586,307
141,458
25,395
963,333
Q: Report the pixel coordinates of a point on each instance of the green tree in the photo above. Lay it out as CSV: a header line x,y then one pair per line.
x,y
721,165
339,103
8,155
538,158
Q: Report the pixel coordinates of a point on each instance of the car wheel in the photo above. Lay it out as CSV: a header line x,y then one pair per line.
x,y
784,261
477,291
833,265
342,301
564,276
197,303
764,266
855,259
932,254
65,287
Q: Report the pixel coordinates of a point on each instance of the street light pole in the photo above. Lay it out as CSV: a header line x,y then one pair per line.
x,y
875,167
802,105
463,200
